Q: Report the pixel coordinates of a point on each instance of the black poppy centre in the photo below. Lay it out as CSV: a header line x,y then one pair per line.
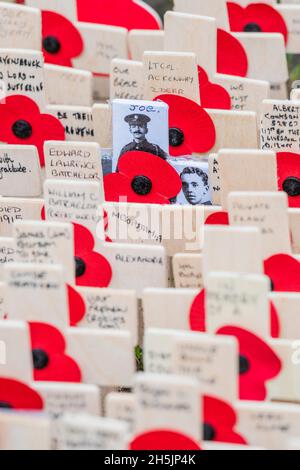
x,y
40,359
244,364
252,28
22,129
176,137
51,45
209,432
291,186
141,185
5,405
80,266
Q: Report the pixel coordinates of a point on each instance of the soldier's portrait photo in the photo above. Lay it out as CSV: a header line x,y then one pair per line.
x,y
195,186
138,128
194,177
145,130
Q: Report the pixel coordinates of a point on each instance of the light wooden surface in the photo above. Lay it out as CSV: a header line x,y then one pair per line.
x,y
67,86
246,170
280,122
20,172
214,8
234,129
168,308
240,300
232,249
192,33
92,350
45,243
16,357
36,293
263,64
187,270
20,27
176,397
141,40
66,8
267,211
126,79
171,73
102,43
73,161
77,121
22,73
110,309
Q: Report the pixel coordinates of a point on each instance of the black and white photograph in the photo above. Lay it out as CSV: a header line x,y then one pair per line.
x,y
141,126
195,182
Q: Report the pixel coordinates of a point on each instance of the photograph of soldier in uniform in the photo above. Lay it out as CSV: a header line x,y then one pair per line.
x,y
138,127
195,182
145,130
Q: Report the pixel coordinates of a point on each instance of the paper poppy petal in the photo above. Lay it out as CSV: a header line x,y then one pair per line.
x,y
125,13
275,322
197,313
195,123
19,396
117,188
83,240
212,96
231,56
48,128
60,367
98,271
218,218
163,440
44,127
264,364
222,419
165,180
236,16
77,306
69,38
15,108
284,272
288,166
264,16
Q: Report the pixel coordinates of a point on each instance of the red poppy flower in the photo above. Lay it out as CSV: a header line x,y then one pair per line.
x,y
163,440
284,272
256,18
212,96
62,42
129,14
258,363
51,364
197,313
191,128
288,171
16,395
23,124
198,316
231,55
218,218
77,307
219,422
92,269
142,177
